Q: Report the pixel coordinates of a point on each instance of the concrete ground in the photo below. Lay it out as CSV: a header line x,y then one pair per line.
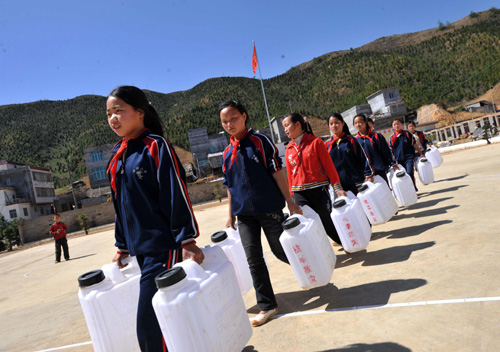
x,y
429,280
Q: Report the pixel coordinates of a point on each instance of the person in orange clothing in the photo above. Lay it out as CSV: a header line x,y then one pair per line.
x,y
310,171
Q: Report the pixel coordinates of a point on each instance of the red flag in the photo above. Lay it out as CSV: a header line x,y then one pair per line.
x,y
255,63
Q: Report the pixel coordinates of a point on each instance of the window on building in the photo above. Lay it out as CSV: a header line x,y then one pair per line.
x,y
42,211
448,132
466,128
13,213
45,192
96,156
478,124
99,173
391,95
42,176
8,181
25,210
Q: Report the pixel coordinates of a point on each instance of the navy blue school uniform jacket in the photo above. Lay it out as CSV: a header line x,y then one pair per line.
x,y
249,175
377,150
148,188
402,146
350,161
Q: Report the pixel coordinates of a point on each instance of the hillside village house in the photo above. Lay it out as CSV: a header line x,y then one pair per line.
x,y
25,191
96,160
383,106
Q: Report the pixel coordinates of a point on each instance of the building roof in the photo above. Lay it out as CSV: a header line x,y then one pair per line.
x,y
379,91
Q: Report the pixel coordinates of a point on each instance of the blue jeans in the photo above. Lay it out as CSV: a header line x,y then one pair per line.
x,y
249,227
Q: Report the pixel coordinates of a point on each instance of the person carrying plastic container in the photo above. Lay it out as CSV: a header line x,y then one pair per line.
x,y
154,218
257,191
310,171
403,147
420,139
375,146
353,167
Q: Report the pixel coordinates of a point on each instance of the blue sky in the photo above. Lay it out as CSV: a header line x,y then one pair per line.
x,y
58,50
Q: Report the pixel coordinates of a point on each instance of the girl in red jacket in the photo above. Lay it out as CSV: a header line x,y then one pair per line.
x,y
310,171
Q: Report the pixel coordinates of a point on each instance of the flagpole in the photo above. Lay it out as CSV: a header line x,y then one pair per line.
x,y
264,93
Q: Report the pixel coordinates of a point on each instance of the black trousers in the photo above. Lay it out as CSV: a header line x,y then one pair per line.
x,y
319,200
250,227
62,242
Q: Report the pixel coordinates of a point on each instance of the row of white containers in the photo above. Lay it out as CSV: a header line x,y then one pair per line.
x,y
200,307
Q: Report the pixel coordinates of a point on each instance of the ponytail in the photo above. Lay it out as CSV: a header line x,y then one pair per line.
x,y
296,117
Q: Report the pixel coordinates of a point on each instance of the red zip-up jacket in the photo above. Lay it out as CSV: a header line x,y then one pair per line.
x,y
308,165
56,226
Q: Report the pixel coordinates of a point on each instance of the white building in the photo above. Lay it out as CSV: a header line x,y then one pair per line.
x,y
25,191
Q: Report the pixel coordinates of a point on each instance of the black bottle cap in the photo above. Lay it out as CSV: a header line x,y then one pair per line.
x,y
400,174
218,236
290,223
170,277
91,278
363,187
339,203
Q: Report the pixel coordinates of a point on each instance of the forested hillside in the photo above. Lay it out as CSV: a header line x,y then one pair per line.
x,y
446,65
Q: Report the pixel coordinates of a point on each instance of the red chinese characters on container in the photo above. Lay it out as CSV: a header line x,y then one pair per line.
x,y
370,208
307,269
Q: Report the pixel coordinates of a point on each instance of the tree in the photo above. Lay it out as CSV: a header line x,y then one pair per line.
x,y
84,223
486,132
9,232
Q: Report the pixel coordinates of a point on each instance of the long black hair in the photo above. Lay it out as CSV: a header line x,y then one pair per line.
x,y
345,129
138,100
296,117
237,105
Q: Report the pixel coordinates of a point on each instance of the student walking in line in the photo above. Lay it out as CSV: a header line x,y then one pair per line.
x,y
375,146
58,231
421,141
403,147
257,191
349,158
154,218
310,171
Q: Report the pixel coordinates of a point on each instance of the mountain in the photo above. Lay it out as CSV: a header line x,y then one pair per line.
x,y
446,65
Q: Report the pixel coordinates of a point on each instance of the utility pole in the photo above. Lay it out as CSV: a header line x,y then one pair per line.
x,y
71,184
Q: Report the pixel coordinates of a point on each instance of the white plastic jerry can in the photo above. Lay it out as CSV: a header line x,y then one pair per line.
x,y
434,156
377,201
109,300
425,173
351,223
236,255
403,188
308,249
200,308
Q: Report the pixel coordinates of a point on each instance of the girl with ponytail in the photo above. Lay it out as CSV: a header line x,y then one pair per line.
x,y
154,218
310,171
347,155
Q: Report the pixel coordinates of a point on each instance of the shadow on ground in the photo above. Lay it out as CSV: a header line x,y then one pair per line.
x,y
408,231
429,212
453,178
376,293
375,347
427,203
384,256
443,190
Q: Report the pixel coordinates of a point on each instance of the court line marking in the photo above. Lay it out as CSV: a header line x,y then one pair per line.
x,y
375,306
392,305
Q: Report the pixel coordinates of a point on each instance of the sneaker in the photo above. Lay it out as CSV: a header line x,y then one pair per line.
x,y
57,261
262,318
67,259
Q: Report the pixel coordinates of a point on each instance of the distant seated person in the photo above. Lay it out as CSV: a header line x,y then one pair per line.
x,y
58,231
